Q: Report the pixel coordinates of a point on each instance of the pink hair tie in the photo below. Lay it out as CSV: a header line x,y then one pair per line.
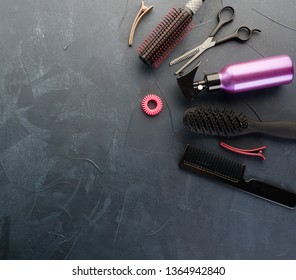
x,y
152,98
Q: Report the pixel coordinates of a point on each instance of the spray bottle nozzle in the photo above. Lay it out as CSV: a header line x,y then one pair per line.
x,y
187,85
192,88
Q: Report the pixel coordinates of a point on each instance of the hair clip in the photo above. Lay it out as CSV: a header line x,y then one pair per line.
x,y
143,11
257,152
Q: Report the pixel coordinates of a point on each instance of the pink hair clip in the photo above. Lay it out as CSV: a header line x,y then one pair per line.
x,y
257,152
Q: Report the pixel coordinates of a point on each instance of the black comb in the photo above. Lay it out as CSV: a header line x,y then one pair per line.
x,y
232,173
227,123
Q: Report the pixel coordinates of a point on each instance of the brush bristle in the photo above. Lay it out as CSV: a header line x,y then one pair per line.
x,y
215,121
165,37
210,164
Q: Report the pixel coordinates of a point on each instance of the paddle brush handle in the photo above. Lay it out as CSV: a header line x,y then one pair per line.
x,y
282,129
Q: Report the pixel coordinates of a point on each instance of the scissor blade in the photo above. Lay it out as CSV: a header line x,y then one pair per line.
x,y
196,51
186,64
185,55
209,43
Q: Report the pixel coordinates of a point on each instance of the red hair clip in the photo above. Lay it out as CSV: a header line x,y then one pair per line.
x,y
257,152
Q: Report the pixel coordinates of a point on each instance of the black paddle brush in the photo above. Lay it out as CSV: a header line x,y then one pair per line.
x,y
227,123
232,173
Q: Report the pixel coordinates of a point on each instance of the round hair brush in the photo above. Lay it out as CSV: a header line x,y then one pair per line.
x,y
168,34
227,123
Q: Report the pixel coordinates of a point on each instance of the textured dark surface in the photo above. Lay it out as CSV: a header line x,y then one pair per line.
x,y
85,174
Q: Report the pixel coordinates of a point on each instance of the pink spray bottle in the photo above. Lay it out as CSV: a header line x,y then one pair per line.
x,y
241,77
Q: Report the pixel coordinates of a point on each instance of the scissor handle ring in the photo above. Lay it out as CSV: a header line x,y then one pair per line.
x,y
227,17
223,19
244,33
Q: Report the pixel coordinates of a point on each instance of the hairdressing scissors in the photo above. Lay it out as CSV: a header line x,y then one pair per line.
x,y
225,15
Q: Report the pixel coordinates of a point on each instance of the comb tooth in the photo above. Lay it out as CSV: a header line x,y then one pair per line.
x,y
230,169
190,155
194,154
236,172
203,160
223,165
198,155
190,151
213,164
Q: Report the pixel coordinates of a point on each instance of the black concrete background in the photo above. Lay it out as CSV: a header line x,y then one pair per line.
x,y
85,174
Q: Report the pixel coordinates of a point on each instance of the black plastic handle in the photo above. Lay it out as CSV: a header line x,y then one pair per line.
x,y
225,15
242,34
282,129
269,192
